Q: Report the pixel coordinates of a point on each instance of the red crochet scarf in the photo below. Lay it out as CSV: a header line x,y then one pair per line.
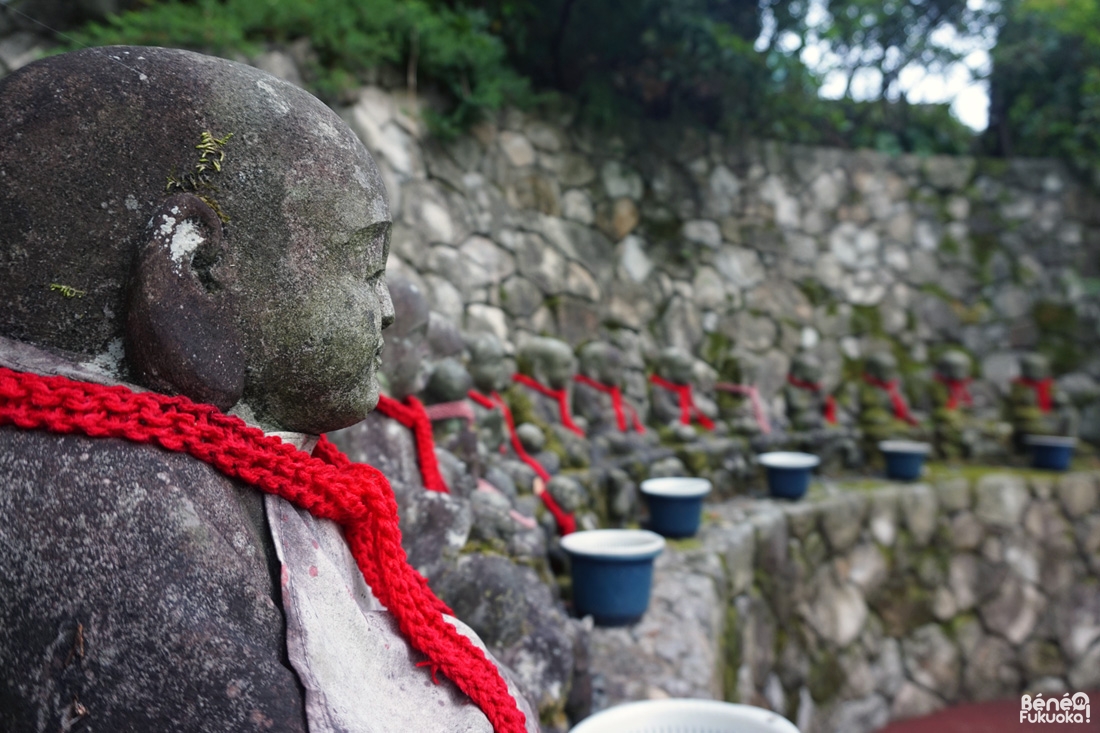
x,y
958,391
901,407
561,395
688,410
412,415
567,523
617,403
1042,388
354,495
829,409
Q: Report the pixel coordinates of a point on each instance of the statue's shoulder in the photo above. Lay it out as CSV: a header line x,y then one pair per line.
x,y
145,565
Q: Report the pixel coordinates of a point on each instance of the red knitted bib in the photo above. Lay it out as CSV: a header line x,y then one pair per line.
x,y
354,495
688,410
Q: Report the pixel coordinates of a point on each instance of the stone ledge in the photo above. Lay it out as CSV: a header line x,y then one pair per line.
x,y
860,606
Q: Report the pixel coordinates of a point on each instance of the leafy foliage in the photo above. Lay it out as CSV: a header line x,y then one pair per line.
x,y
450,47
703,61
1045,88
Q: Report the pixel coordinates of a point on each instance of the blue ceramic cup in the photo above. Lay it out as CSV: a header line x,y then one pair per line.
x,y
612,572
788,472
675,504
904,458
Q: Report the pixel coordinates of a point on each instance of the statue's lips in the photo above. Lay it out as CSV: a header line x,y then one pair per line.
x,y
378,354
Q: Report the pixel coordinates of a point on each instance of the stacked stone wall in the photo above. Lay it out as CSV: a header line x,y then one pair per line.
x,y
656,237
652,236
876,603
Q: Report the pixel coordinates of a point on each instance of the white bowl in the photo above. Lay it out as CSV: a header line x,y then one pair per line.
x,y
614,543
787,459
676,487
904,446
685,716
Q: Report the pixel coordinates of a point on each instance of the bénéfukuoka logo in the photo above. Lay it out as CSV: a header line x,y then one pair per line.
x,y
1064,709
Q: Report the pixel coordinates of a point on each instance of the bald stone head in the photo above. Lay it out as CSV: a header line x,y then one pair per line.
x,y
224,228
547,360
882,365
675,365
953,364
806,367
602,362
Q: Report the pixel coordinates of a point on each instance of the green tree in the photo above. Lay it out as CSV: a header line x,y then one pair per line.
x,y
432,43
1045,85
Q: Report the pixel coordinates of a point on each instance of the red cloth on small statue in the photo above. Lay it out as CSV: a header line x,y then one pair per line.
x,y
688,410
901,408
617,403
412,415
325,483
561,395
1042,389
829,409
457,410
958,391
567,524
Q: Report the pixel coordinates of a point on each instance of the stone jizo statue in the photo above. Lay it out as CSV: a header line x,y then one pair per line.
x,y
960,430
1037,406
671,396
809,406
491,370
546,368
597,394
884,411
196,228
815,419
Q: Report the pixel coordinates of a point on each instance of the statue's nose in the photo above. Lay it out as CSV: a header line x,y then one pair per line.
x,y
388,314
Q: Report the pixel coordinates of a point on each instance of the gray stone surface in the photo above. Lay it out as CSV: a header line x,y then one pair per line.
x,y
932,660
1001,499
115,502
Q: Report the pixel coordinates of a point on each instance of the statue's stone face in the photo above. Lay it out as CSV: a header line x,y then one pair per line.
x,y
1034,366
602,362
676,365
88,141
489,366
882,365
316,348
567,492
560,368
549,361
806,368
954,365
449,381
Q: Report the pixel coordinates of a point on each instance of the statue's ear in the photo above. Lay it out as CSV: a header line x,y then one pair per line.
x,y
181,328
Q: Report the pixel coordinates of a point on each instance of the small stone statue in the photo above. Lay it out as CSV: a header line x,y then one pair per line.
x,y
546,367
671,397
1037,406
960,432
597,395
809,407
491,370
541,395
884,412
210,234
814,416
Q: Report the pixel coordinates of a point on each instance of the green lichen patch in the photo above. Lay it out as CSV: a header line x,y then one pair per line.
x,y
199,180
